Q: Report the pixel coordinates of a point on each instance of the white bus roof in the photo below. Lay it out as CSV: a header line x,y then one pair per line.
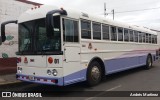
x,y
41,11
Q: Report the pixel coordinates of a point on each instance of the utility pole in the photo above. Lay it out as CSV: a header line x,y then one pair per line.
x,y
113,13
105,13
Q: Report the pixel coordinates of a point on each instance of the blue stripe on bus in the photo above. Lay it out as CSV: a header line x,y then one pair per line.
x,y
120,64
75,77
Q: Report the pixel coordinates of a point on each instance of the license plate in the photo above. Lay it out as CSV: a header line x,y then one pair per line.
x,y
31,78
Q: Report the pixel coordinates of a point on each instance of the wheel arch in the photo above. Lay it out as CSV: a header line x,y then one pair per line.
x,y
100,61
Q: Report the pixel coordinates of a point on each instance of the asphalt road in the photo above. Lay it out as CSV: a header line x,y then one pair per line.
x,y
136,79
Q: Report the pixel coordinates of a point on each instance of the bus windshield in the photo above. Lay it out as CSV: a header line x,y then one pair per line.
x,y
33,38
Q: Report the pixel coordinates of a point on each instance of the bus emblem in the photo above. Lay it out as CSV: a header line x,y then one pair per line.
x,y
90,46
25,60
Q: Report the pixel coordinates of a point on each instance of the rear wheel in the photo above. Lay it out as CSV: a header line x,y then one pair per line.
x,y
149,62
94,73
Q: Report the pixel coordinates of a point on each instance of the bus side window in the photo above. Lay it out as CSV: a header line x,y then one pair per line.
x,y
131,36
86,29
144,37
126,35
70,30
105,30
113,33
140,37
96,31
150,38
153,40
120,34
136,36
147,39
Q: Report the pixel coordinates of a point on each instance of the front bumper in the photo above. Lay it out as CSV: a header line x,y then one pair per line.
x,y
40,80
39,75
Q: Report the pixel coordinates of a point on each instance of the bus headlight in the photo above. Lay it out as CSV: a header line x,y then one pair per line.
x,y
54,72
19,70
49,72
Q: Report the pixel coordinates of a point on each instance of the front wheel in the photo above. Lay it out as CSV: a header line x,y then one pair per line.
x,y
149,62
94,73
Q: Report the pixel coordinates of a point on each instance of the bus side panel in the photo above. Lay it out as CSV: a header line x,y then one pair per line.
x,y
72,69
120,64
123,63
75,77
73,72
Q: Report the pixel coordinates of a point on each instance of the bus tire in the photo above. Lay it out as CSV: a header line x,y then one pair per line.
x,y
94,73
149,62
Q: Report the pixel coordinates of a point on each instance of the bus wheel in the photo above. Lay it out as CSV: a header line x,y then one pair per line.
x,y
148,62
94,73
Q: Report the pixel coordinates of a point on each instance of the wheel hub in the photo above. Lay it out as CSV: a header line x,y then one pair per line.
x,y
95,73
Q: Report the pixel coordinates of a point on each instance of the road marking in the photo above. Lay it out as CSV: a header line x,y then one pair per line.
x,y
104,92
6,83
113,88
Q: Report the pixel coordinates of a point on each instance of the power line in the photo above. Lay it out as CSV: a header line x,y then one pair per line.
x,y
136,10
145,20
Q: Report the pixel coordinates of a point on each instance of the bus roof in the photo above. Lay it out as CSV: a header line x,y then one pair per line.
x,y
41,11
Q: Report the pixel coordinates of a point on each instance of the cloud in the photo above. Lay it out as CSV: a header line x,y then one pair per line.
x,y
148,18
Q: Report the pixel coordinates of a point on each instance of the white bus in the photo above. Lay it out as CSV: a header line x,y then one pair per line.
x,y
62,47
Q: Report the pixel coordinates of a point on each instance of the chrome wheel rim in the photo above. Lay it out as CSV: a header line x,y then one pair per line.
x,y
95,73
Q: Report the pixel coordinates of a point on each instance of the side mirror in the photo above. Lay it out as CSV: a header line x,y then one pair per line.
x,y
3,36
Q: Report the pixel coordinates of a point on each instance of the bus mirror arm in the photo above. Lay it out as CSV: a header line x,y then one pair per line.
x,y
50,21
3,36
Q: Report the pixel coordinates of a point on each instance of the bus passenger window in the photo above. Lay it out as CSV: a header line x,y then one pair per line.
x,y
153,40
144,37
120,34
113,33
106,35
136,36
86,29
97,31
131,36
126,35
147,38
70,30
140,37
150,38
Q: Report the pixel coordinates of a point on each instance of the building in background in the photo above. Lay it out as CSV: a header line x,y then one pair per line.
x,y
11,10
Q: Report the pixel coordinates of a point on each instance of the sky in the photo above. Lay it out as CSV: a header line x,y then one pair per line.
x,y
147,18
